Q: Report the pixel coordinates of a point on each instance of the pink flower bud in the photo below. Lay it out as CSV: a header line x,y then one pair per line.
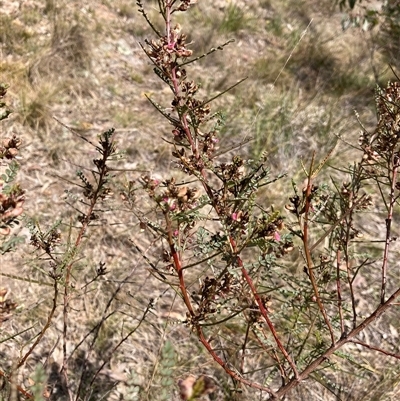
x,y
277,236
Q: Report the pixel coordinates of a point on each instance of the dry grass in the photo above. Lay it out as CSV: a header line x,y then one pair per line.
x,y
84,66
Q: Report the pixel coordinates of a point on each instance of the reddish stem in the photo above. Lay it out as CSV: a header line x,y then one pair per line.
x,y
264,312
397,356
175,256
182,285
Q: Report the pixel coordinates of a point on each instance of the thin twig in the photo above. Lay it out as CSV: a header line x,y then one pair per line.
x,y
19,388
264,312
243,356
45,327
212,50
307,251
388,221
392,354
339,292
339,344
121,341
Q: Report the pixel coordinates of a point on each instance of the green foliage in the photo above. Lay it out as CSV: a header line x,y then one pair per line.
x,y
235,19
133,392
11,243
39,379
9,176
165,370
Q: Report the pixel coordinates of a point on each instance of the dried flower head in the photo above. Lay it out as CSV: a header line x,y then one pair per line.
x,y
7,306
9,147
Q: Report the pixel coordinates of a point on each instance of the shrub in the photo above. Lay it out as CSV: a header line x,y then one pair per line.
x,y
275,297
266,324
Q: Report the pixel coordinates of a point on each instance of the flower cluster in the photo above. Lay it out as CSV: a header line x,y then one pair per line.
x,y
185,4
11,196
168,54
4,111
7,306
46,241
231,171
11,206
297,203
165,51
177,198
352,198
384,142
9,147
